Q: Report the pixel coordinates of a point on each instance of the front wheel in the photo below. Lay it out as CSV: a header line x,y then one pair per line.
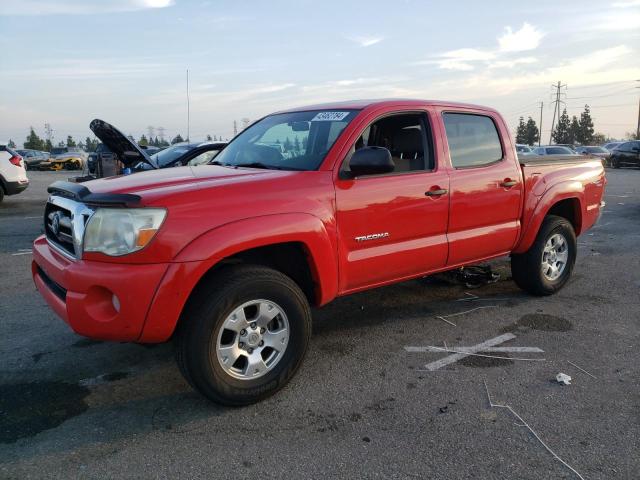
x,y
546,267
615,163
244,335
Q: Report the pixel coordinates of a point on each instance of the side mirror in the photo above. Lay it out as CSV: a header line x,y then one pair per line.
x,y
371,161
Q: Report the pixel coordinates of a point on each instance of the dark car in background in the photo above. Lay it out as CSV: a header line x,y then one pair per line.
x,y
33,158
611,146
593,150
626,155
182,154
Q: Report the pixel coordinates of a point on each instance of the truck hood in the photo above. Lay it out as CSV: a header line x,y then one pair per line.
x,y
126,149
173,180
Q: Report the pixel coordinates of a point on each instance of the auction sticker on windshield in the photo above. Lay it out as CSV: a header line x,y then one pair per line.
x,y
329,116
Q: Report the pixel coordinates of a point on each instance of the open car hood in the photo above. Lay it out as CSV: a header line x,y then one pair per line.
x,y
126,149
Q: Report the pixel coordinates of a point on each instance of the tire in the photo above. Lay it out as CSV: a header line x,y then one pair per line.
x,y
530,270
615,163
1,193
202,332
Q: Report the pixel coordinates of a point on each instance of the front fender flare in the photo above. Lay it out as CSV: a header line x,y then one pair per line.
x,y
203,253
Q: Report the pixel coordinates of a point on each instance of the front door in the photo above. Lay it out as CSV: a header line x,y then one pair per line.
x,y
389,226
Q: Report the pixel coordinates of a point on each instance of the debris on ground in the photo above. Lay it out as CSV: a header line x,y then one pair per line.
x,y
563,379
581,369
444,317
476,276
524,424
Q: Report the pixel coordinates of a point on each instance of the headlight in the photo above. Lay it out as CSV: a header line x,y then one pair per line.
x,y
120,231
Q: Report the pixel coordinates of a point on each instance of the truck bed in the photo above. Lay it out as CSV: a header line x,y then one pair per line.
x,y
531,160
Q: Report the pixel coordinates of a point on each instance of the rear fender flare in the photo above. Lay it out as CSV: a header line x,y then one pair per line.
x,y
552,196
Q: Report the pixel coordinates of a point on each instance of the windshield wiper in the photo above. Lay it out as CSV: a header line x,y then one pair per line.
x,y
258,165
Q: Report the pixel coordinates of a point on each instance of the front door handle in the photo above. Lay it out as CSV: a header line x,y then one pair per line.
x,y
508,183
436,193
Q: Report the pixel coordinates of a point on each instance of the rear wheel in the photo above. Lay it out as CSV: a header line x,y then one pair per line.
x,y
547,265
244,335
615,163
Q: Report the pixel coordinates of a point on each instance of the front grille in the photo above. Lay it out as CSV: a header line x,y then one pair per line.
x,y
58,227
57,289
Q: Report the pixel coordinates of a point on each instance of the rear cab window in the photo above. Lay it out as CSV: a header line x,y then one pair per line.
x,y
473,140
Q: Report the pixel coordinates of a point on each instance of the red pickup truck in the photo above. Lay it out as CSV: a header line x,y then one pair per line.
x,y
303,206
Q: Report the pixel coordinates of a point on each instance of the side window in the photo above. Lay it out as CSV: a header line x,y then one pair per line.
x,y
473,140
203,158
406,136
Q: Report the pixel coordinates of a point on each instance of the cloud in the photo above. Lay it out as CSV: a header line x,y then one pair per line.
x,y
527,38
365,40
513,62
77,7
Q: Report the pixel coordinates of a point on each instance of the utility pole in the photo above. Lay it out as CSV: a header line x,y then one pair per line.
x,y
151,131
161,133
235,128
638,127
540,128
556,108
188,107
48,132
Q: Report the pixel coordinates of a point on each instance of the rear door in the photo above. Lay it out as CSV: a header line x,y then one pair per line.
x,y
486,186
389,227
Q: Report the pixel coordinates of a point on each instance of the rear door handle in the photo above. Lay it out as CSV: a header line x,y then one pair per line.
x,y
436,193
508,183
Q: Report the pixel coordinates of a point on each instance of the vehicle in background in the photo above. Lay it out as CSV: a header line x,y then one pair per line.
x,y
13,175
71,160
56,151
182,154
626,155
33,158
556,150
611,146
524,149
594,150
566,145
227,259
150,149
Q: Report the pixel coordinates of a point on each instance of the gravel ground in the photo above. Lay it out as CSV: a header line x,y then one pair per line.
x,y
361,406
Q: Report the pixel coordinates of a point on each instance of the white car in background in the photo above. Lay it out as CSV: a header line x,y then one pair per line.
x,y
13,176
556,150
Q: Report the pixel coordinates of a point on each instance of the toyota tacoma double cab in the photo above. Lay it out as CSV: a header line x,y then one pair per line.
x,y
303,206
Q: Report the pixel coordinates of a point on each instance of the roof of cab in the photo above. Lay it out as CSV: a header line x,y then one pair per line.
x,y
385,102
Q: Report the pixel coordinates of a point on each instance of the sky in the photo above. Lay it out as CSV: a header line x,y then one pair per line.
x,y
66,62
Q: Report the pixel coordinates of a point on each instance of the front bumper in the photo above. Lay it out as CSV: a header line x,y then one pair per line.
x,y
106,301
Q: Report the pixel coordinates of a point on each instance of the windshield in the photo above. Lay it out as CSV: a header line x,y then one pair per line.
x,y
287,141
170,154
559,151
595,150
58,150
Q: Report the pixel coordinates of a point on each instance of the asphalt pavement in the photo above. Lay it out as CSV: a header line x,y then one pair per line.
x,y
378,395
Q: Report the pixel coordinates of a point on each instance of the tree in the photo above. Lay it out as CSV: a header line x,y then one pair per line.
x,y
296,144
177,139
209,138
48,145
11,144
90,144
33,142
574,131
60,143
532,132
631,136
287,145
599,138
585,132
143,141
70,141
521,131
561,132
